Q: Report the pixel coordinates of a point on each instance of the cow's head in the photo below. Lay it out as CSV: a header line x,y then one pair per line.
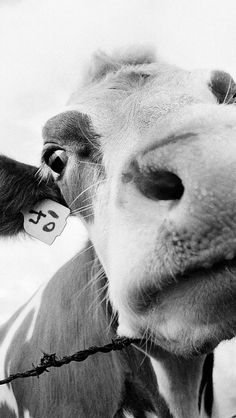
x,y
145,154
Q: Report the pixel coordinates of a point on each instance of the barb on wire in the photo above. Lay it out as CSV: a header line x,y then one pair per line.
x,y
51,360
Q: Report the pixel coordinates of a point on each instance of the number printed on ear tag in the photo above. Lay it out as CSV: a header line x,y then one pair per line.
x,y
46,220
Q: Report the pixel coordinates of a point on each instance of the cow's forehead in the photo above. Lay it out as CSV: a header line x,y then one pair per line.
x,y
134,97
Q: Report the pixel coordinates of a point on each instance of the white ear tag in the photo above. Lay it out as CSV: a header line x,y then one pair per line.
x,y
46,220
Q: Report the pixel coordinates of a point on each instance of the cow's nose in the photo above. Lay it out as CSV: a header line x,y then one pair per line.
x,y
198,173
196,181
157,184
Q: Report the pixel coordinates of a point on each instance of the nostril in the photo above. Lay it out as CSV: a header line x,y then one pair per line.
x,y
160,185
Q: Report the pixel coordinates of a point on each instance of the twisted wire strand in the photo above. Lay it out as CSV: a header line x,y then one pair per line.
x,y
51,360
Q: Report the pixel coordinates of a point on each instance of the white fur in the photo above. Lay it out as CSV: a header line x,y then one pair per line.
x,y
128,415
27,414
224,380
37,299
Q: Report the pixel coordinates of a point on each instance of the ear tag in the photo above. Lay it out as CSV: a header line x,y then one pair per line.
x,y
46,220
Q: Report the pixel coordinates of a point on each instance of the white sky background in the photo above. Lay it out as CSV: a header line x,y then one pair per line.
x,y
43,49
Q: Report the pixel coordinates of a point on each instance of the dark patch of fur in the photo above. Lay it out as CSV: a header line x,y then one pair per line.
x,y
207,384
5,412
21,188
223,87
137,400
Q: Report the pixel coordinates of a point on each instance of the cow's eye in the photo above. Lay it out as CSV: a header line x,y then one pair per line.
x,y
56,160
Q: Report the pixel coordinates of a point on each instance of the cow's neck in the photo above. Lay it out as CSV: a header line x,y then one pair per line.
x,y
179,383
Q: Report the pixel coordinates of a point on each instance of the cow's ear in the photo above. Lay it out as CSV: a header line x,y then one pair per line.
x,y
103,64
20,188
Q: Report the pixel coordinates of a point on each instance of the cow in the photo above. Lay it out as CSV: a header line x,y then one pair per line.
x,y
145,155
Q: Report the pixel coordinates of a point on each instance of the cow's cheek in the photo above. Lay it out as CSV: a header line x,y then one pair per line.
x,y
98,231
123,246
128,251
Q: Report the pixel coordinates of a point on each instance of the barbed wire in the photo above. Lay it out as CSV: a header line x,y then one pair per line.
x,y
51,360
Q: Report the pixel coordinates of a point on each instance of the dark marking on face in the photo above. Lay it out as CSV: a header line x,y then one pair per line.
x,y
71,133
207,384
72,127
223,87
